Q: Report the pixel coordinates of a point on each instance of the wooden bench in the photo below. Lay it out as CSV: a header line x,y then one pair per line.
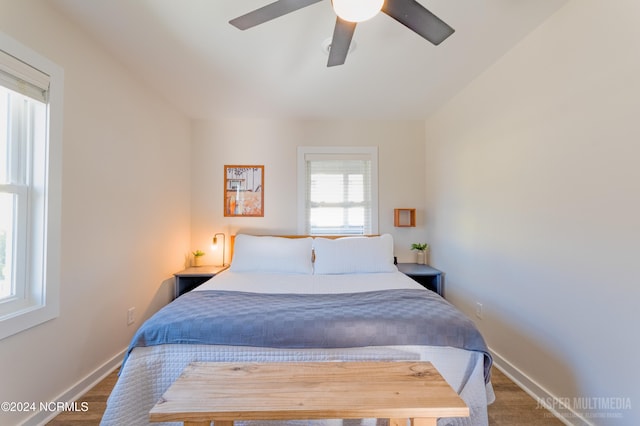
x,y
224,392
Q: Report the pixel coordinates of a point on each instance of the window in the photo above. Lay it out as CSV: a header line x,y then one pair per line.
x,y
338,190
30,147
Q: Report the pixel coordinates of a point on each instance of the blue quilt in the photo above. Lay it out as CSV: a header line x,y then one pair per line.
x,y
377,318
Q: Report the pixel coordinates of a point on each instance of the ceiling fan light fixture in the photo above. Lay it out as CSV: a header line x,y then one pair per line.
x,y
357,10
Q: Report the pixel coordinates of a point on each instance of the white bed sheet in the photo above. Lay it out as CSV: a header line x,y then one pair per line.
x,y
308,284
149,371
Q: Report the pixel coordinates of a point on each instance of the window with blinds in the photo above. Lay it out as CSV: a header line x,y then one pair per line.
x,y
338,190
28,292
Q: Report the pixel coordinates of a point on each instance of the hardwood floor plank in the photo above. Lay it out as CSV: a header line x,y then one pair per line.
x,y
513,406
96,399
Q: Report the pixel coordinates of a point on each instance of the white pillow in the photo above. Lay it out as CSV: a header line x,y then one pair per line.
x,y
354,255
272,254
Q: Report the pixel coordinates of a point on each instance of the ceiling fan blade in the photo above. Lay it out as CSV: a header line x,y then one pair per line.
x,y
269,12
414,16
342,35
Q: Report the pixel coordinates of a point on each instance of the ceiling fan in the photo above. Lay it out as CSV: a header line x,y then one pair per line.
x,y
410,13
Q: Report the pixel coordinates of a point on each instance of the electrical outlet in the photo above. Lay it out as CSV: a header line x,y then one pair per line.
x,y
479,310
131,318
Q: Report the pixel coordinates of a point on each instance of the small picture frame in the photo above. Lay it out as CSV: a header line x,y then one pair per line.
x,y
243,191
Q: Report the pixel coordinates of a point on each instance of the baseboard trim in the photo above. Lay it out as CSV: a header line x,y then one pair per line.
x,y
564,413
41,418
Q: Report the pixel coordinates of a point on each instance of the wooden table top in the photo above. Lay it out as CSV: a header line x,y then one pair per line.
x,y
308,390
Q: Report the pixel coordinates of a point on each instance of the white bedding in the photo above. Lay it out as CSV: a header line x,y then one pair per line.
x,y
308,284
149,371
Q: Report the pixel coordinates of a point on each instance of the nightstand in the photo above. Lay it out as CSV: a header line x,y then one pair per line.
x,y
427,276
190,278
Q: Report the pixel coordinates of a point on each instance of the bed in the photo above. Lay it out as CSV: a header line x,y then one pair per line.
x,y
304,299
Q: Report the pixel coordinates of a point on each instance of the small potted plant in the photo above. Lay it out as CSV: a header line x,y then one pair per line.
x,y
197,257
420,249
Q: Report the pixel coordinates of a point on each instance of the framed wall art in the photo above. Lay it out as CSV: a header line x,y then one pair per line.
x,y
244,191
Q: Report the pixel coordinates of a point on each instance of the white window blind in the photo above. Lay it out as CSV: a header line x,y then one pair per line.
x,y
340,190
22,78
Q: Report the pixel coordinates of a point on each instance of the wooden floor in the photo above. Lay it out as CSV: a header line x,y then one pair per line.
x,y
512,406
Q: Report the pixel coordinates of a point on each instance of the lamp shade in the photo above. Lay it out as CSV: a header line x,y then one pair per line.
x,y
357,10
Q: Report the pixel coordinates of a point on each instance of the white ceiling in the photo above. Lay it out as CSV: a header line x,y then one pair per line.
x,y
186,50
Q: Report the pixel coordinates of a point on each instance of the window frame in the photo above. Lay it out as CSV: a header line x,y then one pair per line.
x,y
41,284
366,151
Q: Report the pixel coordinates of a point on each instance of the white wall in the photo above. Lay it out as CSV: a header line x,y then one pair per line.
x,y
125,212
274,145
533,187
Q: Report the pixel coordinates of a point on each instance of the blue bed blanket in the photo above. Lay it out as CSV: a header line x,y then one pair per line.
x,y
345,320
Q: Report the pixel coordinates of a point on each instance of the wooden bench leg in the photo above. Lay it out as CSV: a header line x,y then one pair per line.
x,y
414,422
424,421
